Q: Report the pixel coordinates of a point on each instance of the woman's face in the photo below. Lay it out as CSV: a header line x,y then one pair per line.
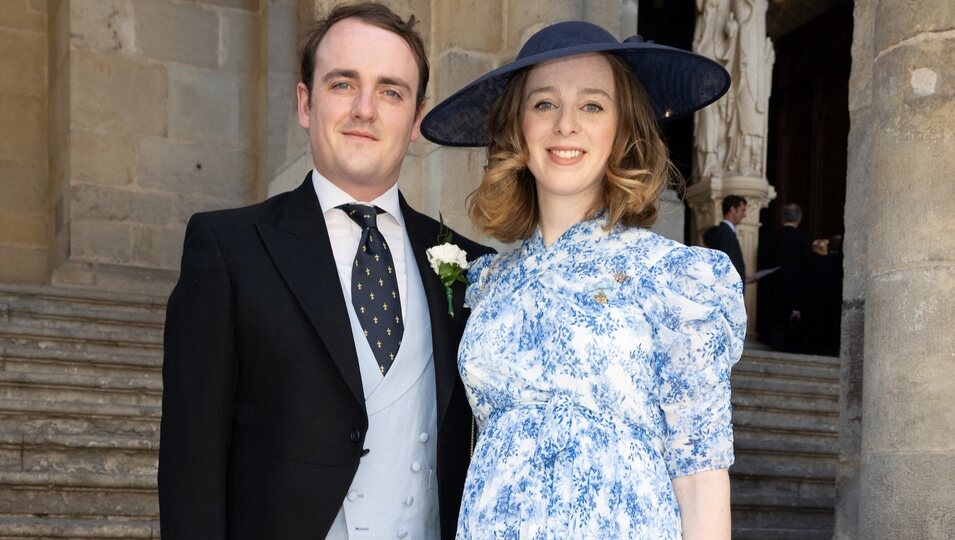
x,y
569,119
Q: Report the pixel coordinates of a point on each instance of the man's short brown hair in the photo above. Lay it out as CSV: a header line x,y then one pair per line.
x,y
376,15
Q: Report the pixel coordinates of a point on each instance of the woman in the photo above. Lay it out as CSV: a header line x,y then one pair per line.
x,y
597,355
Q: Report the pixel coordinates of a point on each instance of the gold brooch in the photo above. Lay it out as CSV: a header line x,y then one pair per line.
x,y
600,297
620,277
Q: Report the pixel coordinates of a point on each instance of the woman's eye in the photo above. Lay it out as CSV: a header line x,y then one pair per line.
x,y
544,106
593,108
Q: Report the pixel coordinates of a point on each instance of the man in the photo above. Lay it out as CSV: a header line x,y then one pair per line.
x,y
297,403
723,236
791,251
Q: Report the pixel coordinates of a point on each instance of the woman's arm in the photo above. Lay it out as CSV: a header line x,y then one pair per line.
x,y
704,500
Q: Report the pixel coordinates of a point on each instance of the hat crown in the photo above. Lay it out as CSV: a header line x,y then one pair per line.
x,y
564,35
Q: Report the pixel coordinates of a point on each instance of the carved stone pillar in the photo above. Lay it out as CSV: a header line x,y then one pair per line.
x,y
730,135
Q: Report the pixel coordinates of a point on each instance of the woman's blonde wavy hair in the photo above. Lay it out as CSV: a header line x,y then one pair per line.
x,y
504,206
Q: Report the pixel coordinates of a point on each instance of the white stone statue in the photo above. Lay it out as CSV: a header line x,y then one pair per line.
x,y
730,137
713,40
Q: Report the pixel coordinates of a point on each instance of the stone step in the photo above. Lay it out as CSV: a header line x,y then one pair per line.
x,y
785,465
802,361
112,453
779,523
812,532
764,440
785,385
785,493
60,302
765,398
13,411
786,370
79,389
63,335
79,494
789,365
53,424
21,527
33,358
772,419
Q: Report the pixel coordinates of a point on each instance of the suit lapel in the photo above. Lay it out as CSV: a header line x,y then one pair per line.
x,y
423,235
299,246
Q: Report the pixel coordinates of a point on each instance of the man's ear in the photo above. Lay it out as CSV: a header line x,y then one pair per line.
x,y
304,104
419,115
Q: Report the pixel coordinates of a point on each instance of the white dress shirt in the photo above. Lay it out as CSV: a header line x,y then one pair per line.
x,y
344,233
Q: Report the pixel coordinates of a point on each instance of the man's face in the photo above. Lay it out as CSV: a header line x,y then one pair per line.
x,y
361,115
737,213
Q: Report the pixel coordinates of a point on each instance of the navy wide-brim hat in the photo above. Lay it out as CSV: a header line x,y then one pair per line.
x,y
676,82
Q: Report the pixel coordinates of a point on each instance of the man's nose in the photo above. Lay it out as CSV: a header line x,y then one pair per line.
x,y
364,105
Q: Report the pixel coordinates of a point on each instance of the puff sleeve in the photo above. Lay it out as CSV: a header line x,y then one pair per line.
x,y
699,324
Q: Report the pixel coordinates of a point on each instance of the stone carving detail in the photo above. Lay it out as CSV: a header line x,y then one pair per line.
x,y
730,137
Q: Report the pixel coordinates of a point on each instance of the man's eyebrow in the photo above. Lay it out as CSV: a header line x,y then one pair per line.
x,y
391,81
352,74
343,73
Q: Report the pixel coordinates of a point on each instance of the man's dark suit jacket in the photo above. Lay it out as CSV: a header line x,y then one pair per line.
x,y
785,290
724,239
263,409
791,250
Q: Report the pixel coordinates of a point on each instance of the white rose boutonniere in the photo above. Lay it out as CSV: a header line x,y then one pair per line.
x,y
449,262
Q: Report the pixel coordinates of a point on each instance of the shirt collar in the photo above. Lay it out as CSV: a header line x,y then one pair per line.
x,y
331,196
730,223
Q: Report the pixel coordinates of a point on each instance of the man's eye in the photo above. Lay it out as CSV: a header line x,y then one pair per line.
x,y
393,94
341,86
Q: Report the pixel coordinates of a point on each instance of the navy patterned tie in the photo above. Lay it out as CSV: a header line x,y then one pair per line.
x,y
374,287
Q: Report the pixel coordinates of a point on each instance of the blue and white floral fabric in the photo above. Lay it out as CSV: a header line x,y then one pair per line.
x,y
598,368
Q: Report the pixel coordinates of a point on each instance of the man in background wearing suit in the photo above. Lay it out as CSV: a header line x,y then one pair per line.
x,y
310,381
723,236
790,250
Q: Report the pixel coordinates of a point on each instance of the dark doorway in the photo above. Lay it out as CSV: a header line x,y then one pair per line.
x,y
809,123
806,164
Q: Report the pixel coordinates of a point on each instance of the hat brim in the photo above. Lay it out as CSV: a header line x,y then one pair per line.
x,y
676,82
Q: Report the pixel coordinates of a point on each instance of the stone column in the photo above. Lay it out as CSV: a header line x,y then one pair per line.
x,y
858,197
908,413
730,135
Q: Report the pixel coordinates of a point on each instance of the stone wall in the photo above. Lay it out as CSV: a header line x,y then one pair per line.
x,y
897,464
158,114
24,219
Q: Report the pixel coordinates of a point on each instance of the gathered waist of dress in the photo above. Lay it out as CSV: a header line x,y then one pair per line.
x,y
562,418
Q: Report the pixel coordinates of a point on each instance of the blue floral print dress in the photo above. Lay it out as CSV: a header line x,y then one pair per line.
x,y
598,368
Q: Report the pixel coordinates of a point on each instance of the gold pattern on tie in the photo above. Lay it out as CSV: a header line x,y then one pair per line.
x,y
374,274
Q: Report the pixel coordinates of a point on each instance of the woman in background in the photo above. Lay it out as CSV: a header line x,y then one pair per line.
x,y
597,355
